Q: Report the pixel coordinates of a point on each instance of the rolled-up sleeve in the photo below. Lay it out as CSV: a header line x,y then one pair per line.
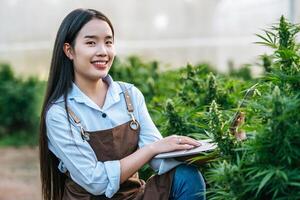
x,y
77,156
149,134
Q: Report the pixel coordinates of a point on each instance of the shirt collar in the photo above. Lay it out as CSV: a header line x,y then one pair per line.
x,y
113,87
112,96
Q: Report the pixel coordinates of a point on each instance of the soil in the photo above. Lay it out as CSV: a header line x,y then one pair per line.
x,y
19,174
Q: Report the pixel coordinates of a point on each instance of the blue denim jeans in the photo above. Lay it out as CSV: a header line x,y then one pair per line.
x,y
188,184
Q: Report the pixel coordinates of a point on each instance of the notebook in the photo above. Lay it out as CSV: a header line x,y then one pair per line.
x,y
206,146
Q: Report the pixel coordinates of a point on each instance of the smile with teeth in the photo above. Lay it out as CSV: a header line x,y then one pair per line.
x,y
100,63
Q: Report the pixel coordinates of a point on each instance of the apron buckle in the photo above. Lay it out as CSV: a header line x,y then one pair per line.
x,y
134,125
84,135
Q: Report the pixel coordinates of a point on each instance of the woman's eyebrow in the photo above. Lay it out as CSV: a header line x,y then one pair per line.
x,y
96,37
91,36
109,37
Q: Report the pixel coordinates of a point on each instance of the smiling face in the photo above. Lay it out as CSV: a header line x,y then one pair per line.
x,y
93,52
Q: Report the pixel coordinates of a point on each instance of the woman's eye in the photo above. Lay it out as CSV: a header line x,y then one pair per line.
x,y
109,42
91,43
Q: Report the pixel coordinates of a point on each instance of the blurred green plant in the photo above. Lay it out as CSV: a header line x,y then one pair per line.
x,y
19,108
197,101
141,74
244,72
267,165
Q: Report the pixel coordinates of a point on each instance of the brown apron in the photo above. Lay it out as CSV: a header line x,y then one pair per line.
x,y
115,144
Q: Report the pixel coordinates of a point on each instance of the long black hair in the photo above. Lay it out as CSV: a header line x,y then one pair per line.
x,y
60,80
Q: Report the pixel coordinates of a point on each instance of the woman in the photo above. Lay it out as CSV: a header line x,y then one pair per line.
x,y
95,133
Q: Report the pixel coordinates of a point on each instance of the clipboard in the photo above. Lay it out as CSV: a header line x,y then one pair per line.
x,y
206,146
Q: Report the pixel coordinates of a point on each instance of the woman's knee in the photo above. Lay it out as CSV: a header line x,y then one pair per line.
x,y
188,183
190,175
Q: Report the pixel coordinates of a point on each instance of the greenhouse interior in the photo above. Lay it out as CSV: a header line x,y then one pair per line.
x,y
223,74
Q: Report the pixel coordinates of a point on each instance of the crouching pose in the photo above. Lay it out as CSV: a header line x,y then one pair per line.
x,y
96,133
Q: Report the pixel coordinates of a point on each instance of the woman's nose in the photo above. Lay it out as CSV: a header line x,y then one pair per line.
x,y
101,50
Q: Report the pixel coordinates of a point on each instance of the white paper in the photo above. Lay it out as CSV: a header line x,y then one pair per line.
x,y
206,146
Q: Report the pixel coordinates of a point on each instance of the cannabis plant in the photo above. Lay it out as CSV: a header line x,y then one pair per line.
x,y
267,165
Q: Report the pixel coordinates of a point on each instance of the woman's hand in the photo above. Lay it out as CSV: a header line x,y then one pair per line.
x,y
132,163
173,143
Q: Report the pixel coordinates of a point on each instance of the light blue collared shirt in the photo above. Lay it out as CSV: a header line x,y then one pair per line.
x,y
77,156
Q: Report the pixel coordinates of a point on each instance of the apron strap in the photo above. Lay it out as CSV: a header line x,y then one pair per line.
x,y
126,96
84,135
134,123
127,100
74,117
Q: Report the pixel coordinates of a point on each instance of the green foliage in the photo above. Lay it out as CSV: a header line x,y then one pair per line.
x,y
133,70
218,132
199,102
266,62
244,72
19,138
19,106
286,59
175,122
226,181
212,90
267,165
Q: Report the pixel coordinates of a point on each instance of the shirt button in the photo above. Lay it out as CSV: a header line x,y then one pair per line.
x,y
103,115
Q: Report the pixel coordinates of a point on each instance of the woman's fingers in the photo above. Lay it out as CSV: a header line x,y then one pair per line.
x,y
187,140
191,141
175,142
185,146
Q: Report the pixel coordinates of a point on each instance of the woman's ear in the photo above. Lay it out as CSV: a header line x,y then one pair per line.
x,y
68,50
